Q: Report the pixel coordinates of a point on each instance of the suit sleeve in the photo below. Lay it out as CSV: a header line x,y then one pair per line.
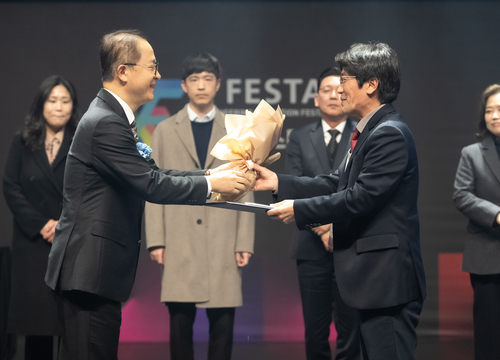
x,y
154,216
480,211
383,163
294,162
25,214
116,158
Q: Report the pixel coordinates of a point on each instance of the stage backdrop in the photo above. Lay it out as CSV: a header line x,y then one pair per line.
x,y
274,50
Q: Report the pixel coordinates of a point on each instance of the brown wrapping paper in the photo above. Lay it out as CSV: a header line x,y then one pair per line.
x,y
250,137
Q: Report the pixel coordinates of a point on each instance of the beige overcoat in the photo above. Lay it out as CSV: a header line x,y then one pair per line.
x,y
200,242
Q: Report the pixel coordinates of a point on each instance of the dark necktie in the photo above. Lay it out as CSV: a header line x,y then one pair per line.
x,y
332,146
133,127
354,139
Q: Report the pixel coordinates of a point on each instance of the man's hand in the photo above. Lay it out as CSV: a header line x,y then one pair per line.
x,y
325,238
242,258
229,182
48,230
498,219
323,232
320,230
158,255
266,179
283,211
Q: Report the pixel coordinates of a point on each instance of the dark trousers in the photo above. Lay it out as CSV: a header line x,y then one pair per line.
x,y
182,316
389,333
320,300
38,347
486,314
91,326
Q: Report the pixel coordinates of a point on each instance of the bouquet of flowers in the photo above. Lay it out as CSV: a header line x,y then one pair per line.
x,y
250,137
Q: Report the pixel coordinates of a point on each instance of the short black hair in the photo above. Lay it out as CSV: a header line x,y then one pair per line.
x,y
195,64
482,131
331,71
373,61
34,129
117,48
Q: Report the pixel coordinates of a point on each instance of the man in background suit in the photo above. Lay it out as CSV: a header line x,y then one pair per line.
x,y
372,202
202,249
316,149
94,256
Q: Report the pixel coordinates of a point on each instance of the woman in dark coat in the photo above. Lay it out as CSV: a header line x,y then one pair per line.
x,y
477,196
32,186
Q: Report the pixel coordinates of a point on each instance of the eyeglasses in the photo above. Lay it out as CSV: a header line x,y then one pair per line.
x,y
153,67
344,77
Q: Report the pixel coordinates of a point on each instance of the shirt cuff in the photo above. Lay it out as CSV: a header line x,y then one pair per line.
x,y
209,191
275,192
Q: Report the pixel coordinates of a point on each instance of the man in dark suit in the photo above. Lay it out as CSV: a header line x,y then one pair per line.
x,y
372,202
316,149
94,256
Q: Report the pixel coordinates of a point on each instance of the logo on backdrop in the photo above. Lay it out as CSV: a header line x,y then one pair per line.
x,y
150,114
294,95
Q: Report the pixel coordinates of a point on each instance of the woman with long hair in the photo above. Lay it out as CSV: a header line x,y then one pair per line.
x,y
32,186
477,196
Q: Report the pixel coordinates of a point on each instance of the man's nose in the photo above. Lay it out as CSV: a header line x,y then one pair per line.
x,y
157,75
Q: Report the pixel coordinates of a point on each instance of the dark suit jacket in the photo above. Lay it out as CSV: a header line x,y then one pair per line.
x,y
306,155
477,196
33,191
96,245
373,207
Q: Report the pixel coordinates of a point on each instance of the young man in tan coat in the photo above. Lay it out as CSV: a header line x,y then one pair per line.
x,y
202,249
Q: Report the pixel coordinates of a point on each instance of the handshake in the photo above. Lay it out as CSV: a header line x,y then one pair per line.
x,y
233,180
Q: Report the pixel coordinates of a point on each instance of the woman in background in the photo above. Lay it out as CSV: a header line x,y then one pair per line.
x,y
477,196
32,186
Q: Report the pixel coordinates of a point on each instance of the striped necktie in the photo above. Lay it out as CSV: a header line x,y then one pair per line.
x,y
133,127
332,146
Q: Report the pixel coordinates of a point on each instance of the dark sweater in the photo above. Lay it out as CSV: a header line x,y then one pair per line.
x,y
201,133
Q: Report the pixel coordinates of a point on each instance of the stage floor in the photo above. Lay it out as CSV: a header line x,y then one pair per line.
x,y
429,348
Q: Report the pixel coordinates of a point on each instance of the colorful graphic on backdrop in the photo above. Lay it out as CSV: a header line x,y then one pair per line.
x,y
150,114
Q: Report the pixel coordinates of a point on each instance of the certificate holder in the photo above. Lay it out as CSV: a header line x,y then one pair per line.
x,y
247,206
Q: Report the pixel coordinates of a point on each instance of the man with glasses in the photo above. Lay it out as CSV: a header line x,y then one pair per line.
x,y
202,249
372,202
93,259
315,149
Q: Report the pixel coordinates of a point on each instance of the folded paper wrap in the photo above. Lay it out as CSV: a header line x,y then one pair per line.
x,y
250,137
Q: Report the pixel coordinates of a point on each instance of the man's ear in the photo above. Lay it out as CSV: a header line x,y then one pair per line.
x,y
183,86
316,102
372,86
218,85
122,73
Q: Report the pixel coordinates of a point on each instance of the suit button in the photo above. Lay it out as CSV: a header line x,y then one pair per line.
x,y
198,221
